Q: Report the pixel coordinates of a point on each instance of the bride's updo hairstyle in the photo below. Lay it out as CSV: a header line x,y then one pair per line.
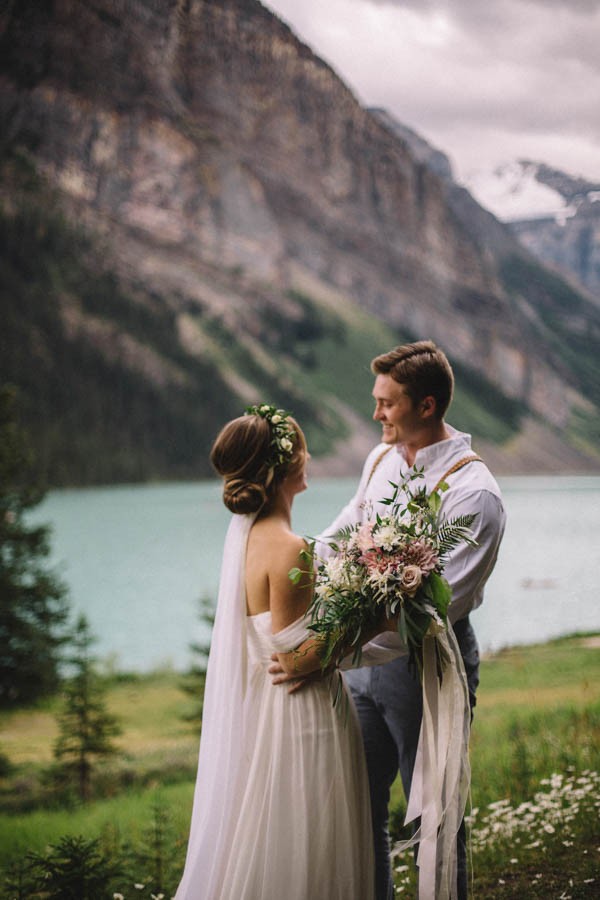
x,y
253,455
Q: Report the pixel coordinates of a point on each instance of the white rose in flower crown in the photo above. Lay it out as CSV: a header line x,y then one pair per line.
x,y
265,408
286,444
276,419
411,579
385,537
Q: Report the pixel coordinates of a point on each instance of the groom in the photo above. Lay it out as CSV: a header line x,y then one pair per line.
x,y
413,389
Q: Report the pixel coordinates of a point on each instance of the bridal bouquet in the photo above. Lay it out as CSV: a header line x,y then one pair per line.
x,y
388,566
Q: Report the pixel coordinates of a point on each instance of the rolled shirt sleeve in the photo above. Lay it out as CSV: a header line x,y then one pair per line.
x,y
468,568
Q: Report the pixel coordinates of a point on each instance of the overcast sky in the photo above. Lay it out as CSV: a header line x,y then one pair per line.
x,y
487,81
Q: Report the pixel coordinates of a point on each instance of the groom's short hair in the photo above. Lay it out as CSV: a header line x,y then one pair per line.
x,y
423,369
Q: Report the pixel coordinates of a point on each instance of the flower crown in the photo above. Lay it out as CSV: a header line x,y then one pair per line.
x,y
282,433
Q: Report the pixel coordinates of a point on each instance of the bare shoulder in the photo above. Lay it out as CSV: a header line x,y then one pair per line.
x,y
291,554
277,544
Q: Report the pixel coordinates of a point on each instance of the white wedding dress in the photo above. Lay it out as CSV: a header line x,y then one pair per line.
x,y
281,809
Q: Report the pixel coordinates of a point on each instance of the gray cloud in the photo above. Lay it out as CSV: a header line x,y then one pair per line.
x,y
493,8
486,81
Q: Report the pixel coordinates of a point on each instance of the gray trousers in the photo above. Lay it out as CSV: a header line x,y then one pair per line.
x,y
388,700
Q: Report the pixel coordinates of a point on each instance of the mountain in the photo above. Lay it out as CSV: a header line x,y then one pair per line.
x,y
196,213
421,150
556,216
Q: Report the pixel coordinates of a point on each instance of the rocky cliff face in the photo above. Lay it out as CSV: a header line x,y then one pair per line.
x,y
230,172
571,245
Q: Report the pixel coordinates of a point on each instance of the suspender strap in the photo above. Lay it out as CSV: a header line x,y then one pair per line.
x,y
457,465
378,460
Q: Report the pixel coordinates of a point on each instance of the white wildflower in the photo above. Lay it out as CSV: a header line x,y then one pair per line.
x,y
322,590
378,580
385,537
354,578
334,569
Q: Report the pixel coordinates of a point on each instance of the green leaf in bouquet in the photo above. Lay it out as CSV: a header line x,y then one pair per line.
x,y
343,534
417,604
357,635
417,624
440,593
402,629
395,603
455,532
434,502
295,575
307,556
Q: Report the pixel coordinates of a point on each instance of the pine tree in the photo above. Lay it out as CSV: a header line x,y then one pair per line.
x,y
74,869
86,727
33,604
156,860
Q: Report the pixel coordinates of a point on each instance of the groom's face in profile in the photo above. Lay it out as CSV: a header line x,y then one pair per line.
x,y
400,419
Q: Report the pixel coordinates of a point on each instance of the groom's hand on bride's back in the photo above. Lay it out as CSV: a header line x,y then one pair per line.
x,y
280,676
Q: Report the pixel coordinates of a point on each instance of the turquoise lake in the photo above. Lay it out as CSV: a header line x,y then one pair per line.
x,y
138,558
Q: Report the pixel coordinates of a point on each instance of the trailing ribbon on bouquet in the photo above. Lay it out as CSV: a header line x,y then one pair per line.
x,y
441,775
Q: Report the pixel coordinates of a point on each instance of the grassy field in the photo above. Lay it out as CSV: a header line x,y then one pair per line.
x,y
538,715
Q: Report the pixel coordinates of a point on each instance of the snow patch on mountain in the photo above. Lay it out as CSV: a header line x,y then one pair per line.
x,y
512,193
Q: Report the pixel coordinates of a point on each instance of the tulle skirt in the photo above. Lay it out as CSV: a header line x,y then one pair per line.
x,y
304,825
295,821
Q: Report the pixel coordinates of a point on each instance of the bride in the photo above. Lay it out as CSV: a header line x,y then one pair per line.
x,y
281,807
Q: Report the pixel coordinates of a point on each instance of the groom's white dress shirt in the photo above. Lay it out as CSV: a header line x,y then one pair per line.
x,y
472,489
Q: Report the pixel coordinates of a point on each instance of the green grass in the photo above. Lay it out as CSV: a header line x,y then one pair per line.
x,y
538,713
128,814
152,708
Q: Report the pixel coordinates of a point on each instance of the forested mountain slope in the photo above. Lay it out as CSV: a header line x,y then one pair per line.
x,y
196,213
